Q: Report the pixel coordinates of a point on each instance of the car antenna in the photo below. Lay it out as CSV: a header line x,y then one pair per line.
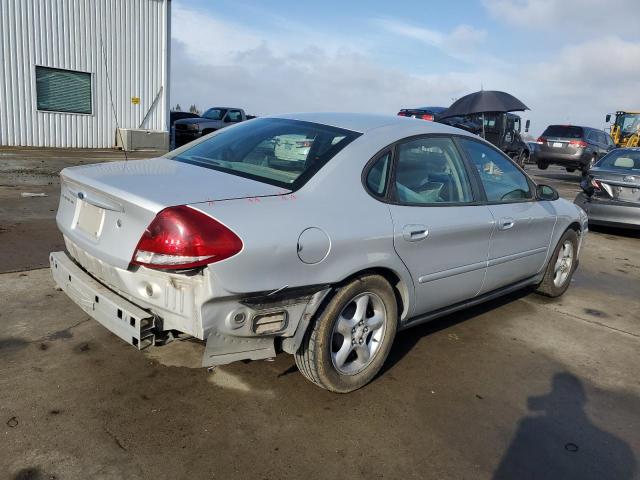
x,y
113,107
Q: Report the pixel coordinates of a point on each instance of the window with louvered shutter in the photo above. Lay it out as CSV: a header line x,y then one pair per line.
x,y
63,90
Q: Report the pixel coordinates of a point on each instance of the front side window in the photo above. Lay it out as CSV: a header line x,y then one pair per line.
x,y
501,179
431,171
280,152
65,91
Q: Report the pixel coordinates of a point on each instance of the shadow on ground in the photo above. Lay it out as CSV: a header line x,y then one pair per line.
x,y
558,440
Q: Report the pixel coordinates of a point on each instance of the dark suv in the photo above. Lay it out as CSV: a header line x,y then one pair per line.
x,y
572,147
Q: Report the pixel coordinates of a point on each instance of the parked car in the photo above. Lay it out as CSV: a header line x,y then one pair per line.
x,y
423,113
173,117
215,118
532,148
388,223
572,147
177,115
611,190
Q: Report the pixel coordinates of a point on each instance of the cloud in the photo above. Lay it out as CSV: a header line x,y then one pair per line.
x,y
573,88
588,16
221,62
264,81
462,43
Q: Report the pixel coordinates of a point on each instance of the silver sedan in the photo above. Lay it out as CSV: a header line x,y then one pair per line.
x,y
320,235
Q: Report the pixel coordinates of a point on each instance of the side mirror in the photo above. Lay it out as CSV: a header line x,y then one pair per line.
x,y
545,192
608,118
526,126
586,187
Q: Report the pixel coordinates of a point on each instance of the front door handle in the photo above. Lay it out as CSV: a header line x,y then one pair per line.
x,y
506,223
414,233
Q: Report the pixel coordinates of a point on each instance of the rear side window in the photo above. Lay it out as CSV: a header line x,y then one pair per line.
x,y
280,152
430,171
563,131
377,176
501,179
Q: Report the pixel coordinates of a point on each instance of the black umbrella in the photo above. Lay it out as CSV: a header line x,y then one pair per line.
x,y
482,102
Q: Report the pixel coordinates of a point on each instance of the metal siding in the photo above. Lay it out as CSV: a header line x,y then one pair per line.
x,y
130,37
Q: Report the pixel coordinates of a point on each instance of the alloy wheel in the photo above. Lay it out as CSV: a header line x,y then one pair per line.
x,y
564,263
358,333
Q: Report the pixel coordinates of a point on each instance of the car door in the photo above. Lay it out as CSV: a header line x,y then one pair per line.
x,y
523,225
440,233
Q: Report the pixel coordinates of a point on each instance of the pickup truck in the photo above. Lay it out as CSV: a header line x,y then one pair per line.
x,y
188,129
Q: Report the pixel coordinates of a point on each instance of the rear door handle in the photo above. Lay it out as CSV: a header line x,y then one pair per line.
x,y
506,223
414,233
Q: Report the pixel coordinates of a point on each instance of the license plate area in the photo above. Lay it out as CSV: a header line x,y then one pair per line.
x,y
558,144
626,194
89,219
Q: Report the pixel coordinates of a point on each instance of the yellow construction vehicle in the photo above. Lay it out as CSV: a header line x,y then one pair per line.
x,y
625,131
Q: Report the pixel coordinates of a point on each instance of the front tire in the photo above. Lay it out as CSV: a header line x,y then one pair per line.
x,y
563,263
348,342
543,165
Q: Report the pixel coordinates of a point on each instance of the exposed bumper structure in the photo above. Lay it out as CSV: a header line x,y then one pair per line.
x,y
238,328
126,320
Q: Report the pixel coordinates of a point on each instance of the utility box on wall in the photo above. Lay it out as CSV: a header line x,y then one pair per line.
x,y
129,139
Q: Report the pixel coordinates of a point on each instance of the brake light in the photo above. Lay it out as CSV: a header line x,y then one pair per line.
x,y
182,237
403,114
426,116
541,140
578,143
596,184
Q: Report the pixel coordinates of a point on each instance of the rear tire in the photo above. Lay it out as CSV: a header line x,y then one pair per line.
x,y
543,165
561,266
346,345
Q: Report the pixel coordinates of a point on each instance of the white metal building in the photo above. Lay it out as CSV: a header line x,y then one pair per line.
x,y
71,70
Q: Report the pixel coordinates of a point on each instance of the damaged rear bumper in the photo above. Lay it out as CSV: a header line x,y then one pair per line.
x,y
126,320
235,328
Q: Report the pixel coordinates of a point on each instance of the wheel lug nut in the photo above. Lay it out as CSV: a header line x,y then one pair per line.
x,y
353,330
360,341
360,323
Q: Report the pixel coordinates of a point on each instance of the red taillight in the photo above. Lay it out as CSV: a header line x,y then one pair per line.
x,y
541,140
403,114
578,143
426,116
182,237
596,185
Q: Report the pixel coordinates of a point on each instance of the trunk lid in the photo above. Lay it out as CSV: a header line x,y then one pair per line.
x,y
105,208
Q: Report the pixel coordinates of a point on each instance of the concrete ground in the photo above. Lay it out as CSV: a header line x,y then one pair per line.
x,y
522,387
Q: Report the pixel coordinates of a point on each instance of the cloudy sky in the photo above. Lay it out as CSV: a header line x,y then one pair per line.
x,y
570,61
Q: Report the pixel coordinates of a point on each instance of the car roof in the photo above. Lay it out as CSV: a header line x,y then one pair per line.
x,y
365,122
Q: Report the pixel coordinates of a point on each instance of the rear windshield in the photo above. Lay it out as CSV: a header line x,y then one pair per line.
x,y
621,160
280,152
563,131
